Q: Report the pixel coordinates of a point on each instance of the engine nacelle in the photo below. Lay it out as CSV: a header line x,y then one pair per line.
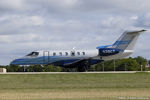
x,y
108,51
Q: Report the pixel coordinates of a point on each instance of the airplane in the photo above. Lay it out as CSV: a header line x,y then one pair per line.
x,y
83,59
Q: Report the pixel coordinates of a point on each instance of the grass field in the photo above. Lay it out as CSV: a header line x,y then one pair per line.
x,y
75,86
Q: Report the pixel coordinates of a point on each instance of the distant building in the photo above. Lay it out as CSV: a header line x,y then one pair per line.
x,y
3,70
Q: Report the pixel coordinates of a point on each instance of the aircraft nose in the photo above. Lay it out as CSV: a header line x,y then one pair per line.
x,y
17,62
14,62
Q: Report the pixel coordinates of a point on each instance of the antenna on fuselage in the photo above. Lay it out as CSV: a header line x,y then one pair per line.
x,y
73,49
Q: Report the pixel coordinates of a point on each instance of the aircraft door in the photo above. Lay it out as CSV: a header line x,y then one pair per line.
x,y
46,57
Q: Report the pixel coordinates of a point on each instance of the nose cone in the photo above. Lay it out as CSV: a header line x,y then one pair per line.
x,y
18,62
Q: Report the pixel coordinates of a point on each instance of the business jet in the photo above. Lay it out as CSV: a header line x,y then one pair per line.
x,y
82,59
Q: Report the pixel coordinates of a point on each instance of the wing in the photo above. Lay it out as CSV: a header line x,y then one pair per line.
x,y
75,63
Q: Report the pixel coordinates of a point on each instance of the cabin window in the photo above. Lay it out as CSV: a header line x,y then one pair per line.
x,y
66,53
54,54
72,53
33,54
60,53
78,53
83,53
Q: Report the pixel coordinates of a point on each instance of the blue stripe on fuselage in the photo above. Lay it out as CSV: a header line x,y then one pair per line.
x,y
44,60
52,59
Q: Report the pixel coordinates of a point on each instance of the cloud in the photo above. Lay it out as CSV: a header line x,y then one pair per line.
x,y
9,5
145,20
134,17
18,24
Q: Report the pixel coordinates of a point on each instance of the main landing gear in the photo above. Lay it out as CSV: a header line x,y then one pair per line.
x,y
84,66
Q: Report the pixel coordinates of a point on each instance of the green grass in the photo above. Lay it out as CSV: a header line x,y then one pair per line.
x,y
74,86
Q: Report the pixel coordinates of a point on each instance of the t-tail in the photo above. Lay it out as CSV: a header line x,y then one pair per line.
x,y
123,47
127,40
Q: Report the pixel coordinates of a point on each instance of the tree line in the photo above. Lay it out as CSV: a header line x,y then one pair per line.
x,y
128,64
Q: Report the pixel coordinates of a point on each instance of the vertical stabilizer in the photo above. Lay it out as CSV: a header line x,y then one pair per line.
x,y
127,40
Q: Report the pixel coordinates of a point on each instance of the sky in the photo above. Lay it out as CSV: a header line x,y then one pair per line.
x,y
29,25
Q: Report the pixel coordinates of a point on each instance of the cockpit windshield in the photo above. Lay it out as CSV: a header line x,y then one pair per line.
x,y
33,54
